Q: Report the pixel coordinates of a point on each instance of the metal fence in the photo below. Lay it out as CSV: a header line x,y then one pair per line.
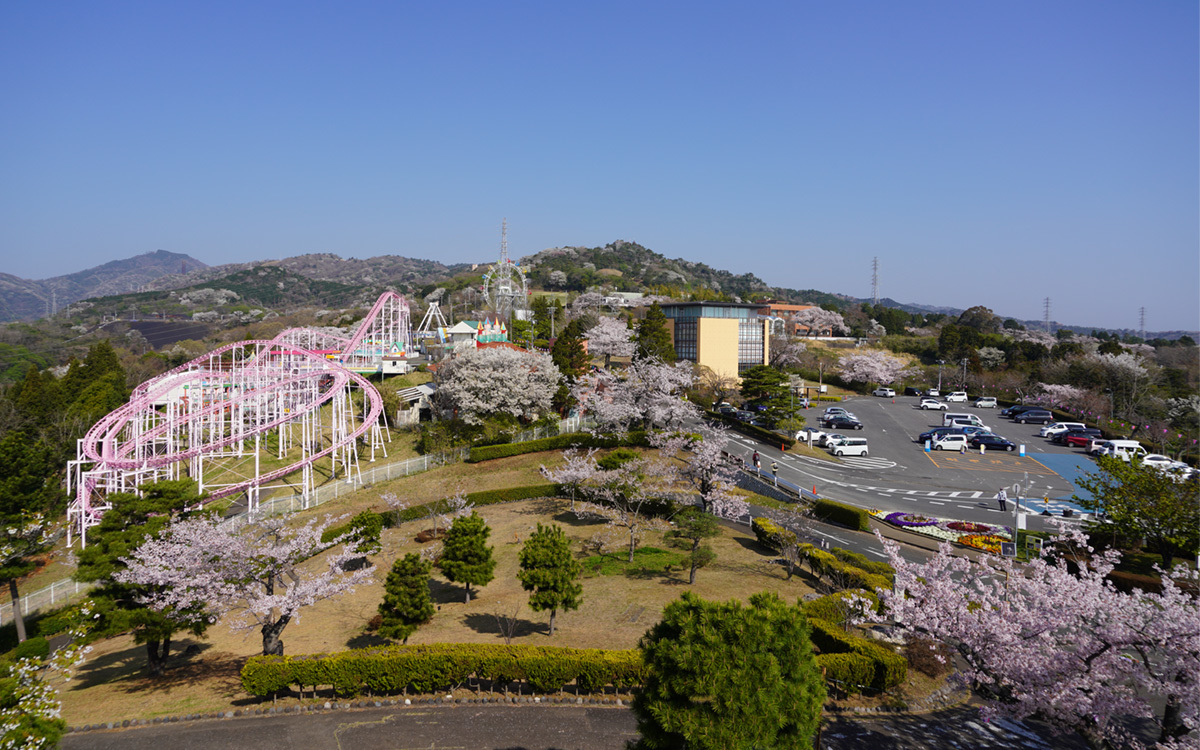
x,y
62,592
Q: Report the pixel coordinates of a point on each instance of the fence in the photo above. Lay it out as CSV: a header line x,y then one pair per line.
x,y
60,592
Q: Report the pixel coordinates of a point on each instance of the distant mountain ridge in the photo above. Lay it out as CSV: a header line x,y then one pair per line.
x,y
26,299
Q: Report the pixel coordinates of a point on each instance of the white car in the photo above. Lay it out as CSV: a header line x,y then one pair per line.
x,y
932,403
934,392
957,397
850,447
1158,461
884,392
985,402
949,443
832,438
1055,428
804,435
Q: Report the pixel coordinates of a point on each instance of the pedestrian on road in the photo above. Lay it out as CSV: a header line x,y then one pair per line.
x,y
774,467
757,461
1002,498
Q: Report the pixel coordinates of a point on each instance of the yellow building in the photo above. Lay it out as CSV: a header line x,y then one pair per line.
x,y
726,337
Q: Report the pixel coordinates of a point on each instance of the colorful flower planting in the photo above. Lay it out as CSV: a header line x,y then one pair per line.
x,y
979,536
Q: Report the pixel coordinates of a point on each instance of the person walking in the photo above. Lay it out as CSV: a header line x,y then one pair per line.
x,y
757,461
1002,498
775,472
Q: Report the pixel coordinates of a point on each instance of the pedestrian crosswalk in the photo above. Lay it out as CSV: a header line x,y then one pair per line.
x,y
867,462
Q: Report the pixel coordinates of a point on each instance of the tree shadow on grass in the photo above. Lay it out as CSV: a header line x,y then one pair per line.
x,y
567,518
368,640
126,669
753,545
486,623
542,506
444,592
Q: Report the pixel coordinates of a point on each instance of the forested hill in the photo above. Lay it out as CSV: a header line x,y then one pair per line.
x,y
628,266
26,299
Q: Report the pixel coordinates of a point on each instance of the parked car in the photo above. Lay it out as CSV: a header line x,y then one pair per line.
x,y
950,442
937,432
991,442
850,447
835,410
933,393
985,402
831,438
1181,472
1126,450
1055,428
914,392
826,417
1036,416
1158,461
726,409
803,435
1078,438
744,416
933,403
1095,446
1013,411
884,392
843,422
967,423
957,396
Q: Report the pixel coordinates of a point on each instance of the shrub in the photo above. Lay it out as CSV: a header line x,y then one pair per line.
x,y
559,442
841,514
771,534
861,561
888,669
922,655
36,647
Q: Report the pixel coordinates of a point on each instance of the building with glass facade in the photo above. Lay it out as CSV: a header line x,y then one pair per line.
x,y
726,337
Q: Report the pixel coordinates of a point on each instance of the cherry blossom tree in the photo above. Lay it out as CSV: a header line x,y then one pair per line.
x,y
571,474
871,366
708,469
786,353
610,338
648,393
1042,640
254,576
482,382
818,321
1067,397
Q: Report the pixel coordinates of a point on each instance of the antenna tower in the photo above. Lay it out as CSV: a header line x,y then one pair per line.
x,y
54,303
875,280
1142,322
1046,315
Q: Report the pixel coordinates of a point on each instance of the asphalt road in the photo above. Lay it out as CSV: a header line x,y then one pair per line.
x,y
464,727
900,475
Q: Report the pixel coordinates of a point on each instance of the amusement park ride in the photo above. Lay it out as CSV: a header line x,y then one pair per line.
x,y
291,402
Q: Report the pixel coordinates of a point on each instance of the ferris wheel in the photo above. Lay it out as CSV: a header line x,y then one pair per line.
x,y
505,288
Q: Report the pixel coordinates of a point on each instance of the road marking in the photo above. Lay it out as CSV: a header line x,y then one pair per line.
x,y
935,502
968,507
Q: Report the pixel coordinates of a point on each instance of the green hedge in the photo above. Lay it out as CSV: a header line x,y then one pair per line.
x,y
861,561
830,607
758,433
887,668
769,533
823,563
485,497
559,442
841,514
437,667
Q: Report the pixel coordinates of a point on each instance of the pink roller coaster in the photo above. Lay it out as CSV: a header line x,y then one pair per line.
x,y
296,402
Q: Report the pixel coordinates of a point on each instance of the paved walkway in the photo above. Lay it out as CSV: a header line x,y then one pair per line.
x,y
533,727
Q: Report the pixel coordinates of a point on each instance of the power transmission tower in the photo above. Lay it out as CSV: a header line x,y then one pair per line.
x,y
875,281
1046,315
1142,322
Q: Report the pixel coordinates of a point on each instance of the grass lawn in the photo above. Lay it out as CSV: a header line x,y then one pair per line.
x,y
617,608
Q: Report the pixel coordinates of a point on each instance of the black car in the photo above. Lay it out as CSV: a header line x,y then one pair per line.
x,y
914,392
1034,416
994,442
1013,411
838,422
1061,437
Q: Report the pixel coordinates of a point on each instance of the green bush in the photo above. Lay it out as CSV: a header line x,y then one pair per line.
x,y
36,647
888,669
841,514
861,561
831,608
770,534
437,667
559,442
850,576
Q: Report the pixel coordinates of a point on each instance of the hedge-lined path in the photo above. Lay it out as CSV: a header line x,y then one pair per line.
x,y
538,727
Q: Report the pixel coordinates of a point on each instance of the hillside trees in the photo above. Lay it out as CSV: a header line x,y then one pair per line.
x,y
549,572
487,382
648,394
406,602
466,558
724,675
254,576
571,358
871,366
769,391
609,338
819,321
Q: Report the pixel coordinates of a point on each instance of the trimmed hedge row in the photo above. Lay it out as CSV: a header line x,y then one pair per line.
x,y
861,561
843,515
437,667
854,663
558,442
485,497
831,608
824,563
758,433
770,533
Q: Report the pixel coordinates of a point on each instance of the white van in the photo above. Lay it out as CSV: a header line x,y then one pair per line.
x,y
1123,449
949,417
953,442
1054,428
959,396
854,446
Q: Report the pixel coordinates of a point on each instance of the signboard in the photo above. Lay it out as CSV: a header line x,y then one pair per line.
x,y
1008,549
1033,545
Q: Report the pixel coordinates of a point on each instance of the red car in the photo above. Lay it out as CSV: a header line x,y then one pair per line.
x,y
1081,439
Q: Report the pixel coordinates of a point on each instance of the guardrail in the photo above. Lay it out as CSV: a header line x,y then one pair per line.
x,y
62,592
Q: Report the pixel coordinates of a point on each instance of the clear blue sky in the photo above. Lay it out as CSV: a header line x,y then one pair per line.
x,y
986,153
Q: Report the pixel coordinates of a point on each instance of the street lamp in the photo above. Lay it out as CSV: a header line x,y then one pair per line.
x,y
940,363
963,385
1111,415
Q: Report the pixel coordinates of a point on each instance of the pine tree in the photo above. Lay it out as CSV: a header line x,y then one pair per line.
x,y
466,558
692,527
572,360
722,675
406,603
549,571
652,337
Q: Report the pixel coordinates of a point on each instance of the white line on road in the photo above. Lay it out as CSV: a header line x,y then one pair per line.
x,y
935,502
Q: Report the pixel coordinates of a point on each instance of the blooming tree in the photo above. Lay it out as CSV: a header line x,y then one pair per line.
x,y
786,353
647,394
1067,397
19,542
1066,647
818,321
871,366
255,575
990,357
576,469
483,382
708,469
610,338
623,496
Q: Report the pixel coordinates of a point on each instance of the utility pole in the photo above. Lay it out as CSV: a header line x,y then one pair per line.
x,y
1142,322
1046,315
875,280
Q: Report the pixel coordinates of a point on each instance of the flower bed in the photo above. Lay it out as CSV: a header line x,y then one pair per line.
x,y
979,536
